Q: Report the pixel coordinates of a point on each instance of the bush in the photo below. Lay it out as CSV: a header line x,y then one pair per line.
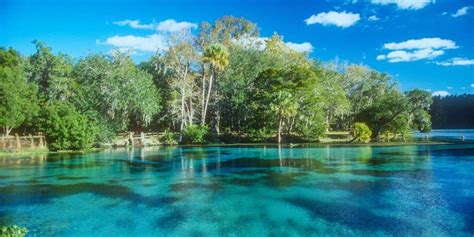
x,y
13,231
362,132
168,138
67,129
195,134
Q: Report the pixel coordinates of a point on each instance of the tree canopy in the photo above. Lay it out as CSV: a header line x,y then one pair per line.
x,y
220,82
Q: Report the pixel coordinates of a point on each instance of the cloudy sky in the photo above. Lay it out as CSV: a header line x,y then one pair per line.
x,y
426,44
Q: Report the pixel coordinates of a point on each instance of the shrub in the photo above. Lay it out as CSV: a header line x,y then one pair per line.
x,y
362,132
13,231
195,134
67,129
168,138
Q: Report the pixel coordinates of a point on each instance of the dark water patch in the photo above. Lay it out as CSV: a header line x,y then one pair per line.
x,y
171,220
49,176
139,167
6,219
149,185
5,177
125,223
386,173
282,179
65,177
394,153
457,152
354,217
242,181
182,187
42,193
28,181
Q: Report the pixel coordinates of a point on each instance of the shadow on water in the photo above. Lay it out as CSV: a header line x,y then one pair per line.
x,y
354,217
16,195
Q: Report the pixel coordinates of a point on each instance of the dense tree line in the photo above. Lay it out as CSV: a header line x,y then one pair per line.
x,y
221,83
454,111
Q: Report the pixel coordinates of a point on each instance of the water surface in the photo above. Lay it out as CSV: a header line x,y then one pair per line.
x,y
424,190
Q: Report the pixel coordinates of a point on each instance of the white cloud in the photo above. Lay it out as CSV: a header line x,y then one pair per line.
x,y
303,47
405,4
409,56
150,43
373,18
434,43
381,57
171,25
134,24
416,49
456,62
472,85
461,12
444,13
341,19
450,87
440,93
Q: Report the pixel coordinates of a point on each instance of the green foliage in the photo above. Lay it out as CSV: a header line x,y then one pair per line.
x,y
387,113
362,132
217,56
120,93
195,134
223,77
168,138
18,98
420,105
13,231
67,129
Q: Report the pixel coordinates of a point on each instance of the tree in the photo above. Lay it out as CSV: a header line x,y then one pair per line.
x,y
66,128
361,132
453,111
420,104
363,87
388,114
217,58
18,98
115,92
52,73
180,59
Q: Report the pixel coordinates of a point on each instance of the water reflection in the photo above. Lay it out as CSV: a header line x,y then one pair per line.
x,y
357,190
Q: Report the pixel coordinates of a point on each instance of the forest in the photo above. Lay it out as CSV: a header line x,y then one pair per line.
x,y
218,84
453,111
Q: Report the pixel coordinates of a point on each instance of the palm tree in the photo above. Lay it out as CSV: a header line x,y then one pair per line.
x,y
217,56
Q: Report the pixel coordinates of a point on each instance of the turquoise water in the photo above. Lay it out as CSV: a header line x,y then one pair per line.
x,y
448,134
423,190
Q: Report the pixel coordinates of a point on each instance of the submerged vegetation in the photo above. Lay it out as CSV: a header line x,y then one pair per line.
x,y
13,231
220,83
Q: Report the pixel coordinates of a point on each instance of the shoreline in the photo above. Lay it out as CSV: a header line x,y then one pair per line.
x,y
27,153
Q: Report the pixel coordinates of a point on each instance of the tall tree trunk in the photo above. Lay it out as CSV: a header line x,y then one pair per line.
x,y
280,127
182,115
203,98
183,93
207,99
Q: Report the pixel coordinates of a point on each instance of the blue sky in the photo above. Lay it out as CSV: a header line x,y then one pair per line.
x,y
425,44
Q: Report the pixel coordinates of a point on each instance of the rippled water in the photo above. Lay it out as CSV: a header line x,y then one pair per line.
x,y
425,190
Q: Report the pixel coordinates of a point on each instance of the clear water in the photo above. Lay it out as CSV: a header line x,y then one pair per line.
x,y
424,190
448,134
